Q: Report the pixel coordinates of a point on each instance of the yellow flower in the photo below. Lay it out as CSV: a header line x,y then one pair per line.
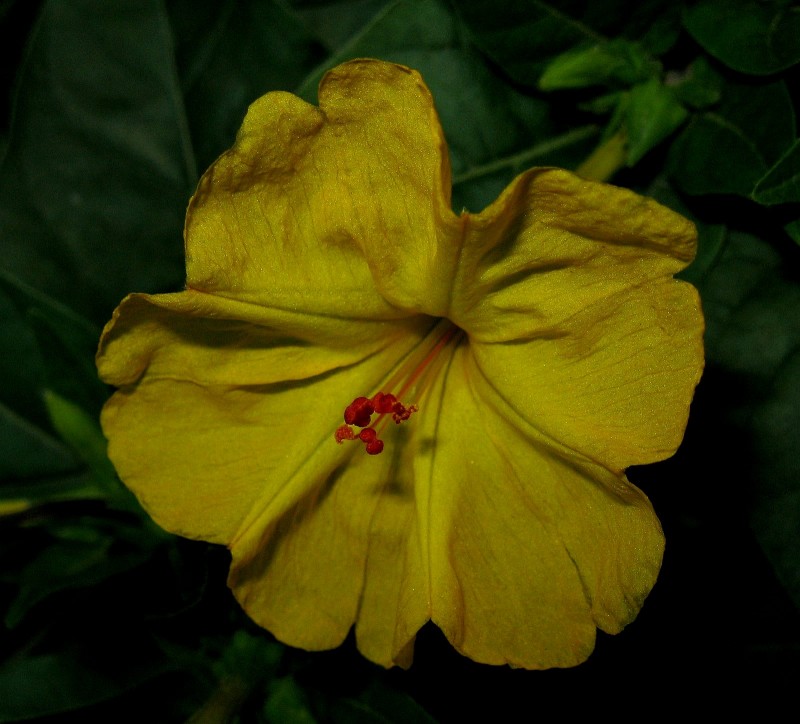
x,y
544,343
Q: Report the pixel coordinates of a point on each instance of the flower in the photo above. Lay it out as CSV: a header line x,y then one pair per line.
x,y
535,349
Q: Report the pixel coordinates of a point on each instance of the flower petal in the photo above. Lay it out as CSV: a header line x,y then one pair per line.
x,y
205,449
500,510
531,546
352,550
347,553
313,208
565,287
214,340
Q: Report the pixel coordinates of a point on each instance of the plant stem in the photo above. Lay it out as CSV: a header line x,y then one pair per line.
x,y
606,159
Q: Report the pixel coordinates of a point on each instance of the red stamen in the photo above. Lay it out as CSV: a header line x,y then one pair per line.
x,y
375,447
368,436
359,412
384,402
387,402
400,413
344,432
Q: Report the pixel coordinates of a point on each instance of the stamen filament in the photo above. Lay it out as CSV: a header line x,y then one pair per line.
x,y
443,340
359,412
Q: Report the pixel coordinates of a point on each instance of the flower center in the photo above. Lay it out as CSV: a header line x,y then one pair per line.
x,y
360,411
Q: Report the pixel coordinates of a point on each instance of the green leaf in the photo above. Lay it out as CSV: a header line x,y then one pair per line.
x,y
99,165
228,55
711,240
379,704
69,565
793,229
652,113
714,156
82,433
656,24
46,345
22,369
28,451
524,37
62,346
334,22
614,63
753,340
700,87
750,36
477,186
603,104
730,149
781,184
287,702
249,657
776,425
81,674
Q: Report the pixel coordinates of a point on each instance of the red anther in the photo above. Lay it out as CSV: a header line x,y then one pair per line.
x,y
411,378
344,432
359,411
384,402
400,413
375,447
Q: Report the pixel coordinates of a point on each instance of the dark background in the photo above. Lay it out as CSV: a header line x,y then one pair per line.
x,y
110,110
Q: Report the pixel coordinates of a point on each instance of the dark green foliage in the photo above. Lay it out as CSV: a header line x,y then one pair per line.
x,y
112,109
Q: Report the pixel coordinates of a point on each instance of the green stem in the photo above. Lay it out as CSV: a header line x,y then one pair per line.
x,y
528,156
606,159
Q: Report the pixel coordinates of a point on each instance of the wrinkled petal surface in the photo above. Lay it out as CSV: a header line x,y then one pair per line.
x,y
566,289
317,209
225,411
544,339
532,546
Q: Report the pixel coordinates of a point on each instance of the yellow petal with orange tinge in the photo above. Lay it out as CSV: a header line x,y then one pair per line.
x,y
344,543
531,546
323,209
545,341
566,289
213,340
216,453
349,553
